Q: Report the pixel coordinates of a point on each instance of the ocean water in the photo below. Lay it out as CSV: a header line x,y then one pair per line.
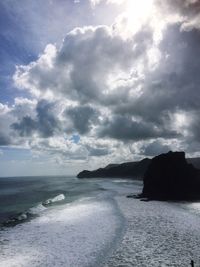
x,y
70,222
29,195
59,221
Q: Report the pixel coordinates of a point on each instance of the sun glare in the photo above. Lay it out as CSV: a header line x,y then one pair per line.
x,y
138,12
139,8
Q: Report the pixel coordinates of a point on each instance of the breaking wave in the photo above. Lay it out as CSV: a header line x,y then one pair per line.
x,y
34,211
57,198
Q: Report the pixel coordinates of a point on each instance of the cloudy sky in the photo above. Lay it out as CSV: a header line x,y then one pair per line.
x,y
84,83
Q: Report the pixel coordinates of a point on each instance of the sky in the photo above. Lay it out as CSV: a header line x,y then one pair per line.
x,y
85,83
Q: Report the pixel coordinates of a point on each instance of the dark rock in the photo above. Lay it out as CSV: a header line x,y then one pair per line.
x,y
125,170
169,176
145,199
131,196
134,196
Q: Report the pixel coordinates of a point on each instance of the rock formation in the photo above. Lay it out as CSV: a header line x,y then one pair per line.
x,y
169,176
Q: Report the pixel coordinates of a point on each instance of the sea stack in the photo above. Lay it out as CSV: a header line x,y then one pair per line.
x,y
170,177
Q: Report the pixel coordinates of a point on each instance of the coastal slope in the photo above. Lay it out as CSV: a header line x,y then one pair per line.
x,y
134,170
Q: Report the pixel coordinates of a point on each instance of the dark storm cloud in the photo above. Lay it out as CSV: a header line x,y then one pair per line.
x,y
178,76
194,129
188,10
155,148
98,152
123,127
180,69
46,124
82,117
184,7
4,140
25,127
47,121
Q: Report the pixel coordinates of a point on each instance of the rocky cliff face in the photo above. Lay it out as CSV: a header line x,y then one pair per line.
x,y
169,176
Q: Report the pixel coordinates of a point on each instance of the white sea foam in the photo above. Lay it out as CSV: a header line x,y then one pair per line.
x,y
71,235
42,206
158,234
37,209
57,198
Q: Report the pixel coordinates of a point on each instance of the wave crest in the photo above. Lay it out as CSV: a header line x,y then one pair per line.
x,y
57,198
34,211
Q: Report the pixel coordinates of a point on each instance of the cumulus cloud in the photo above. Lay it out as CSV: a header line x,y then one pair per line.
x,y
81,69
135,92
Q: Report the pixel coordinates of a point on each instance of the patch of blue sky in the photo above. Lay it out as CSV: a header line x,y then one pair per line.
x,y
75,138
13,51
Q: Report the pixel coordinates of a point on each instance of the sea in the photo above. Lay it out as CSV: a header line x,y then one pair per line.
x,y
27,196
56,221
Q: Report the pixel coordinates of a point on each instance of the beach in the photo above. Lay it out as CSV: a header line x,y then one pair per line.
x,y
157,234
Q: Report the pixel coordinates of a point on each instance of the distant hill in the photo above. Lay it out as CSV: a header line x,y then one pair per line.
x,y
125,170
134,170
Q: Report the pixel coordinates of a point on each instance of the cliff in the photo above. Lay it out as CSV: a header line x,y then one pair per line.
x,y
170,176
